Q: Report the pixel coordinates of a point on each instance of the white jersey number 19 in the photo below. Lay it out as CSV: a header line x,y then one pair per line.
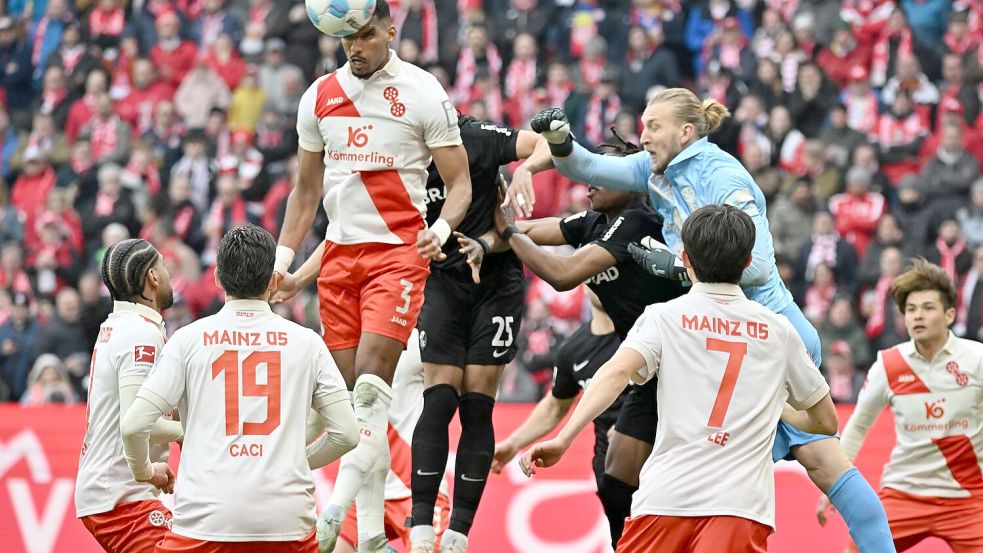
x,y
228,364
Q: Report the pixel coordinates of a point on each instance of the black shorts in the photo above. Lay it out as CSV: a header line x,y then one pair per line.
x,y
639,415
463,323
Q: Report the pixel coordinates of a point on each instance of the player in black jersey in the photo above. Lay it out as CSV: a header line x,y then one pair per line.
x,y
578,358
604,262
467,330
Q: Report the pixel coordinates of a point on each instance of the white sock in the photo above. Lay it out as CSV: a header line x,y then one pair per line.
x,y
372,399
422,534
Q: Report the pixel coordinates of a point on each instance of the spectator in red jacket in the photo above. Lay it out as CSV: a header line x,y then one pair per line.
x,y
110,136
225,61
147,90
172,56
857,210
81,112
106,23
843,54
899,134
31,188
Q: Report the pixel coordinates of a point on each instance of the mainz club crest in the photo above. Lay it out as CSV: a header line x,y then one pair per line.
x,y
391,93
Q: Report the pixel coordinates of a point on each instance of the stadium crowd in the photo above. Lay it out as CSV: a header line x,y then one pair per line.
x,y
174,120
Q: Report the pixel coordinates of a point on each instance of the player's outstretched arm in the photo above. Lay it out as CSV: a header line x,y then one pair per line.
x,y
452,165
301,206
607,384
534,149
545,416
629,173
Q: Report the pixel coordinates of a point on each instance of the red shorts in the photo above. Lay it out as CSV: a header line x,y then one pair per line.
x,y
670,534
173,543
957,521
136,526
373,287
396,512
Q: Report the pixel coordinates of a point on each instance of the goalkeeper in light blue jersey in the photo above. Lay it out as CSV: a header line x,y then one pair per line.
x,y
682,171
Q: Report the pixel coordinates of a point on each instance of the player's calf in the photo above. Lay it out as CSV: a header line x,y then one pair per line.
x,y
475,451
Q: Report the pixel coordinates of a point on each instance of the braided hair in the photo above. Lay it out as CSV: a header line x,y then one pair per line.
x,y
622,148
124,268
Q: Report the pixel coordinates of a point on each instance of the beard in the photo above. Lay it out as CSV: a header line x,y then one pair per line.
x,y
165,299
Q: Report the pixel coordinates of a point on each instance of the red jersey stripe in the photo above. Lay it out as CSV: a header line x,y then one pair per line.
x,y
900,377
331,100
401,462
393,202
962,461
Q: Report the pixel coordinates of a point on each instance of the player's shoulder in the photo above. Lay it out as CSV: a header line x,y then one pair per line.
x,y
416,77
132,328
970,349
484,129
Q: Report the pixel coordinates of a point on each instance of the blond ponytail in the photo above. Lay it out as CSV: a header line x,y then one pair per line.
x,y
705,116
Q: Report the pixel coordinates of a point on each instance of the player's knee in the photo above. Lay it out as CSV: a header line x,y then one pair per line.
x,y
439,405
476,419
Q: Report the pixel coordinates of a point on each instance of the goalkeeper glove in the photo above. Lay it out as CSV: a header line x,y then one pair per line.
x,y
656,258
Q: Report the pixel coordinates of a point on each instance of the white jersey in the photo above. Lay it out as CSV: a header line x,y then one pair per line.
x,y
244,380
726,365
938,417
376,135
128,344
404,413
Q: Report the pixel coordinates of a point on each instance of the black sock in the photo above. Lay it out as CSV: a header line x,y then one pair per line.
x,y
616,499
430,450
474,458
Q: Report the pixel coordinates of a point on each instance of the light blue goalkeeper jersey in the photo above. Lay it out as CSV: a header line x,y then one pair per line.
x,y
702,174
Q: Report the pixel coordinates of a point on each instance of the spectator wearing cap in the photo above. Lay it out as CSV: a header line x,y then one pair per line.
x,y
172,56
857,210
825,247
45,35
55,99
106,23
17,337
885,325
970,216
842,56
950,250
213,22
899,135
111,205
201,90
31,188
107,133
951,171
969,308
44,135
146,91
15,71
956,87
48,383
845,381
225,61
272,70
247,102
74,58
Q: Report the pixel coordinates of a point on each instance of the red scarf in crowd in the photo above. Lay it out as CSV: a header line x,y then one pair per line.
x,y
467,67
104,136
107,22
428,50
591,71
875,324
598,119
70,58
948,255
881,55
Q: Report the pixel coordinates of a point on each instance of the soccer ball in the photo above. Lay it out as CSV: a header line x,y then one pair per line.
x,y
340,18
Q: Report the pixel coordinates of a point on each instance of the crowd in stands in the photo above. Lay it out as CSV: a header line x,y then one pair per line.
x,y
173,120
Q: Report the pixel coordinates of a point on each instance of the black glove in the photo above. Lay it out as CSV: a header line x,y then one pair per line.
x,y
553,125
656,258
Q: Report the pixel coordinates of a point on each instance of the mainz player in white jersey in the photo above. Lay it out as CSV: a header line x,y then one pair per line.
x,y
124,515
933,485
367,133
726,366
244,380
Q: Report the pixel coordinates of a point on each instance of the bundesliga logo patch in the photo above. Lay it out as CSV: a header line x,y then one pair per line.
x,y
144,354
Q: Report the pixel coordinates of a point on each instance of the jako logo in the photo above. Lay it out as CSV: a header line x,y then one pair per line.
x,y
357,136
934,410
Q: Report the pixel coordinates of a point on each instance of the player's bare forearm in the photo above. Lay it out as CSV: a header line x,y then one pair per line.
x,y
545,416
540,159
308,272
495,241
604,388
560,271
303,199
452,165
544,232
818,419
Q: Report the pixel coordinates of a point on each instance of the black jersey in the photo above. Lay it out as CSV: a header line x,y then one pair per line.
x,y
625,289
577,360
489,147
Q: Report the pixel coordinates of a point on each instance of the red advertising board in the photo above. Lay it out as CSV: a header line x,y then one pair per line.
x,y
554,512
